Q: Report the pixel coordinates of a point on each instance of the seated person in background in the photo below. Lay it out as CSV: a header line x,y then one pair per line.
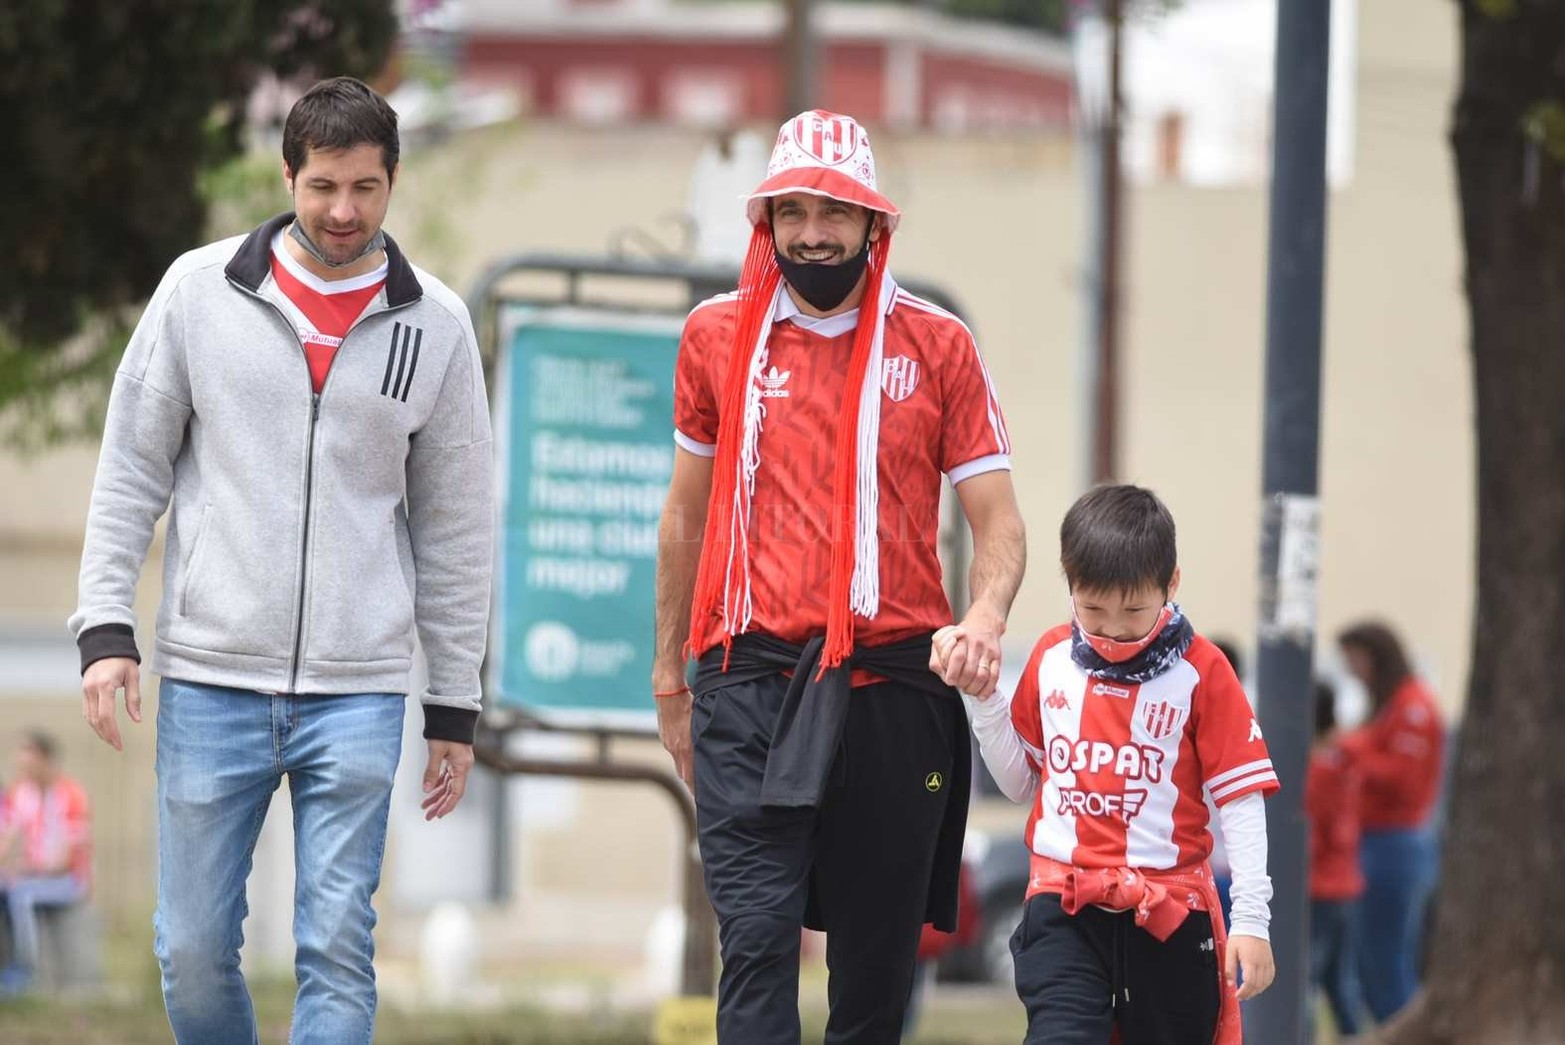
x,y
45,850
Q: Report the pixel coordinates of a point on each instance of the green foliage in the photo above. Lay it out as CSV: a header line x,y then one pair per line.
x,y
1049,15
113,112
1544,123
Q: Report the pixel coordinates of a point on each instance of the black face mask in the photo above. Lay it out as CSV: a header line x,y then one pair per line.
x,y
823,285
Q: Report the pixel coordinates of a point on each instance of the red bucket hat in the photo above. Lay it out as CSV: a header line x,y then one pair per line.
x,y
826,154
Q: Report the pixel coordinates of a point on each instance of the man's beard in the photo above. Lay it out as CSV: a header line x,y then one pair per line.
x,y
376,242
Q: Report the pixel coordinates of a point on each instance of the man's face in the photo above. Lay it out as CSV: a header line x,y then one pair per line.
x,y
818,229
340,197
30,763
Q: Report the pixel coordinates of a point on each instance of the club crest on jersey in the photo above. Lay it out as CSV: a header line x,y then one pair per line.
x,y
1162,719
1056,701
774,385
899,377
830,140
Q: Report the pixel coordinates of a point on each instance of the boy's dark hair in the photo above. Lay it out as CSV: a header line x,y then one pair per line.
x,y
1230,652
340,113
1325,709
1388,665
1118,538
42,743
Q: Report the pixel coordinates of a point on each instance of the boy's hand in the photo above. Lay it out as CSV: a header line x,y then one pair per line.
x,y
967,655
1252,956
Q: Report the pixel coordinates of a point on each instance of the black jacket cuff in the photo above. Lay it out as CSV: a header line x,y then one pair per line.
x,y
443,722
107,640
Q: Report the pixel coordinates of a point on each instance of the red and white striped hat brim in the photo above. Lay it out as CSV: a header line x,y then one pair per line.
x,y
824,154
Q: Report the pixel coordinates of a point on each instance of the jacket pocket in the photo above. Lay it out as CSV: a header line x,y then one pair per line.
x,y
193,560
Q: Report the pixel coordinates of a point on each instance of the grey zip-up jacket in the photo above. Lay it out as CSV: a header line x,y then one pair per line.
x,y
307,533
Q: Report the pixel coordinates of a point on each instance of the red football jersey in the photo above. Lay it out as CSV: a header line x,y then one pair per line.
x,y
1400,754
1124,767
939,416
1331,800
325,310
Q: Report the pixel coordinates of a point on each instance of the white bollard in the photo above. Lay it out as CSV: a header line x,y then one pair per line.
x,y
448,953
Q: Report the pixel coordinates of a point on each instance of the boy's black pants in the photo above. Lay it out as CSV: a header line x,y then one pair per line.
x,y
866,856
1080,975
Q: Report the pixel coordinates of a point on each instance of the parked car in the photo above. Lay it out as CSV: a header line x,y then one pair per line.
x,y
998,864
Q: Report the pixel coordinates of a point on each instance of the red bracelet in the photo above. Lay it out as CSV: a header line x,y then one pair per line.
x,y
672,693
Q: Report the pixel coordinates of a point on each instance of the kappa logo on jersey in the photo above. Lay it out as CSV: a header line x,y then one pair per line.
x,y
774,385
830,141
1131,761
1105,689
1162,719
899,377
1255,731
1076,802
1056,701
401,362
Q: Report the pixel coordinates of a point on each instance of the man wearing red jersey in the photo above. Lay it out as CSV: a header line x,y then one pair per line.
x,y
817,409
1122,722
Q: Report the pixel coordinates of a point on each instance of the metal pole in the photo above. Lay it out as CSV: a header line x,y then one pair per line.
x,y
800,46
699,967
1105,449
1290,534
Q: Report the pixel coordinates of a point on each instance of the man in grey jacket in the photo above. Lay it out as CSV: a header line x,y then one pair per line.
x,y
310,409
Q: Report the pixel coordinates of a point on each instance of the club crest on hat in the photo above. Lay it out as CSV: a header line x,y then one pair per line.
x,y
826,137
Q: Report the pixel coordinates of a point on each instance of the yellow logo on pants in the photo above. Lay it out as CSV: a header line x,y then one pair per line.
x,y
934,782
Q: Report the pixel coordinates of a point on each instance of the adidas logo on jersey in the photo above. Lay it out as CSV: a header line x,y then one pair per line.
x,y
774,384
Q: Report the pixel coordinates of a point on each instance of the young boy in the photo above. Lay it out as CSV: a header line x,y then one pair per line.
x,y
1122,720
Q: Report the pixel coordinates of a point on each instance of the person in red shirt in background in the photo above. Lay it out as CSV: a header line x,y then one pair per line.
x,y
45,850
1331,800
1400,755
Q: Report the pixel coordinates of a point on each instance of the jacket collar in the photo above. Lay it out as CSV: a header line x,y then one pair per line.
x,y
253,261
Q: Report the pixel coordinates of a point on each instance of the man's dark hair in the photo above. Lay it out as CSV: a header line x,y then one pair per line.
x,y
1118,538
1325,709
340,113
1388,666
42,743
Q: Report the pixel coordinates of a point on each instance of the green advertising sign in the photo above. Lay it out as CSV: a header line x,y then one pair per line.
x,y
585,420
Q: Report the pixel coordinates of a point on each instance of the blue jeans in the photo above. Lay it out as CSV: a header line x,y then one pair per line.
x,y
23,897
221,754
1334,960
1399,876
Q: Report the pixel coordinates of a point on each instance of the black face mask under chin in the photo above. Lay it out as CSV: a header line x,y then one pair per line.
x,y
824,286
377,242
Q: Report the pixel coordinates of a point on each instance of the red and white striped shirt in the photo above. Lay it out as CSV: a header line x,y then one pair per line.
x,y
1124,767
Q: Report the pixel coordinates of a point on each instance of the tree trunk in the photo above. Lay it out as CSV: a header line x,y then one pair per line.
x,y
1497,969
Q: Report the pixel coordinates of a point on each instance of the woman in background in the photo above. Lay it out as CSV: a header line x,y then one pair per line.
x,y
1400,755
